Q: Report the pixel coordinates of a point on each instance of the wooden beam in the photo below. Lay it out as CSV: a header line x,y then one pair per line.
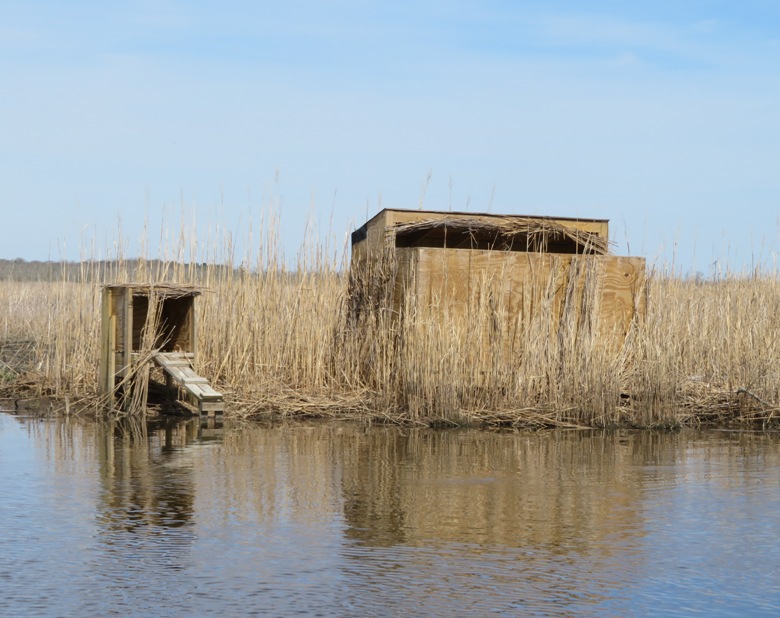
x,y
105,349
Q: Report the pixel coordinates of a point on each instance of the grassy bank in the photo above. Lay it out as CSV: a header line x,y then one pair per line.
x,y
288,341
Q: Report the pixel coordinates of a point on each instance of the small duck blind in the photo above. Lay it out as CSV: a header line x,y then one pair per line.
x,y
447,262
136,316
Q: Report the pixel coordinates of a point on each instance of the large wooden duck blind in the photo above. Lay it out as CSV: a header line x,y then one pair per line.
x,y
395,228
437,260
155,320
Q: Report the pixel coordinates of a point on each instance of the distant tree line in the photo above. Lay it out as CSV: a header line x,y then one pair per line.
x,y
98,271
107,271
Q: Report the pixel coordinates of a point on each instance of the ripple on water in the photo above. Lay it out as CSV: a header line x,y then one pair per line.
x,y
340,521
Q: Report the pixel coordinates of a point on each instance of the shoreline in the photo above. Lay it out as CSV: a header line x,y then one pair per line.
x,y
286,345
737,411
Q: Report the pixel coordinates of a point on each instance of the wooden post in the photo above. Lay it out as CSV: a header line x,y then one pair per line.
x,y
193,332
111,374
105,348
128,334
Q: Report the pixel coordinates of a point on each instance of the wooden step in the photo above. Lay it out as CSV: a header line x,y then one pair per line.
x,y
185,375
178,366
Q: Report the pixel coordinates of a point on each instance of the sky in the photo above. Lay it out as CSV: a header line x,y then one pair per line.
x,y
132,119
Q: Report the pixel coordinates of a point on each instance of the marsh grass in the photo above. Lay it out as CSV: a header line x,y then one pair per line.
x,y
305,340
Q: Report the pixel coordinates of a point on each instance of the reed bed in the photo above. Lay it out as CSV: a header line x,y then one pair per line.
x,y
307,341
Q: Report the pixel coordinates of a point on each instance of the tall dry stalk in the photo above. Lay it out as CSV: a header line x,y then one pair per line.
x,y
311,339
135,385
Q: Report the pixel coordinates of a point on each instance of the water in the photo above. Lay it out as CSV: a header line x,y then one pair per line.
x,y
343,520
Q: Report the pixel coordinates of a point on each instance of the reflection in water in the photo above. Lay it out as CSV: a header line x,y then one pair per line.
x,y
501,509
145,507
544,522
338,519
555,491
145,475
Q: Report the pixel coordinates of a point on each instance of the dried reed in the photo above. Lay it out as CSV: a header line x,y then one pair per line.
x,y
309,341
530,234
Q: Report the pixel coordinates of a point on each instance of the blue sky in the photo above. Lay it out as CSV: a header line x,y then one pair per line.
x,y
663,117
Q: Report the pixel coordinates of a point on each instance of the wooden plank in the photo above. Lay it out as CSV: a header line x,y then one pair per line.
x,y
172,359
405,280
184,375
118,310
105,349
215,407
523,287
191,377
624,293
111,376
176,373
376,235
176,356
209,393
202,392
140,305
194,390
164,361
179,370
191,316
127,343
177,362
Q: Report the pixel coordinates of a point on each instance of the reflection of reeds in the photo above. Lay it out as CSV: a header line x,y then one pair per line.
x,y
312,342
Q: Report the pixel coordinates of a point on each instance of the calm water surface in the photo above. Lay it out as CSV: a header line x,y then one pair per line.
x,y
341,520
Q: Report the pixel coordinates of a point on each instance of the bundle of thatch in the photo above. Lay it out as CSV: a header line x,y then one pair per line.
x,y
512,233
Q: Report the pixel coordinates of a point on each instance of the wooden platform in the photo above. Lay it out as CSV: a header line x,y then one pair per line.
x,y
178,372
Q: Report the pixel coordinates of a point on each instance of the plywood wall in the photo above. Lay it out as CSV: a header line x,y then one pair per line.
x,y
597,292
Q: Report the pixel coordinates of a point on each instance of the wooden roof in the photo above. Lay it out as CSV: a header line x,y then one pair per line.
x,y
535,233
166,290
458,213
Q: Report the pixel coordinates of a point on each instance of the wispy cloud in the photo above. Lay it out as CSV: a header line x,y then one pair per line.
x,y
20,38
626,59
616,109
585,29
706,26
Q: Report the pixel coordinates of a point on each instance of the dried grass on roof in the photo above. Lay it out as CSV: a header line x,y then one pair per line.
x,y
535,233
166,290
